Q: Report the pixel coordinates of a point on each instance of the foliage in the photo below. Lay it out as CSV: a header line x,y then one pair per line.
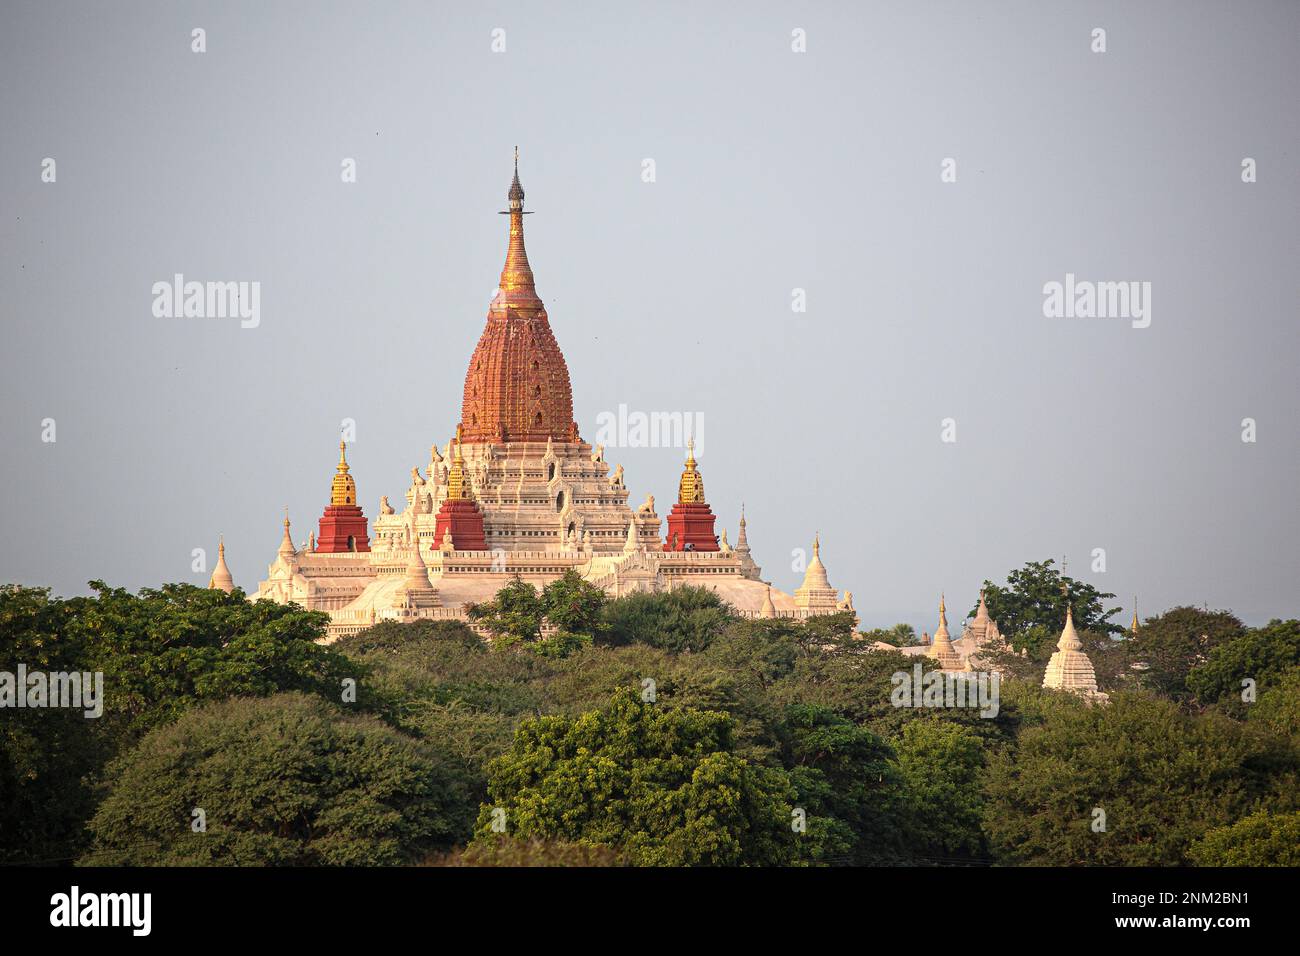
x,y
683,619
845,783
284,780
1161,777
1262,654
661,783
1261,839
569,605
504,851
900,635
1278,706
650,729
160,652
1169,645
1030,610
939,765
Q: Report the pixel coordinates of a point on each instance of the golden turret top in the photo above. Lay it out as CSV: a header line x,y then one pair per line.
x,y
691,488
457,484
343,490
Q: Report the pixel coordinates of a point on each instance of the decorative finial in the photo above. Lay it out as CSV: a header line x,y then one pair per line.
x,y
817,544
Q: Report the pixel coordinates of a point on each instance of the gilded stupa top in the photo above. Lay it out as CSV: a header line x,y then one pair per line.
x,y
343,490
457,484
691,488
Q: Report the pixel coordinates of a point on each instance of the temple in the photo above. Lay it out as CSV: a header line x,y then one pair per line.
x,y
518,492
1069,669
973,651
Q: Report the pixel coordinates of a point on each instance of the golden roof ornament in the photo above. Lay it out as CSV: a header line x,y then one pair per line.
x,y
457,486
343,490
691,488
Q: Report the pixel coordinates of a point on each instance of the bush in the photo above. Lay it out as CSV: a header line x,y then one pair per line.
x,y
284,780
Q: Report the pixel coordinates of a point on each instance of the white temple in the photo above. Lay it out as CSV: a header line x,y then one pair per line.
x,y
518,492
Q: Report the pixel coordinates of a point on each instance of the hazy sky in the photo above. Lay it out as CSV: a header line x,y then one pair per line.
x,y
774,170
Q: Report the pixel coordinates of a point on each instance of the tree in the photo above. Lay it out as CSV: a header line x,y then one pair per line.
x,y
46,754
683,619
1261,839
1036,597
1278,707
503,851
165,649
1169,645
284,780
160,652
513,616
939,765
517,613
900,635
662,784
1262,654
1161,777
845,785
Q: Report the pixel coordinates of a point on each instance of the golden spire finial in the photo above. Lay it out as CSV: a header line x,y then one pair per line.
x,y
817,544
691,488
1133,628
942,609
457,486
343,489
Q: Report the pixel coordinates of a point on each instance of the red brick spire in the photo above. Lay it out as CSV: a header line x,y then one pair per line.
x,y
517,387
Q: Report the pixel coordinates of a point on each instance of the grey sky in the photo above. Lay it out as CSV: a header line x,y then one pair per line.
x,y
775,170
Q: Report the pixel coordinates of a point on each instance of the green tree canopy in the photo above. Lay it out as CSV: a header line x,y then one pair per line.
x,y
1030,610
1262,654
1161,777
1169,645
939,764
160,652
516,615
683,619
282,780
1261,839
662,784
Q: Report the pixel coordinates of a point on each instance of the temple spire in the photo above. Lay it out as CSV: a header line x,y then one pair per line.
x,y
343,489
286,543
1069,669
690,490
1133,628
517,284
1069,636
221,579
941,649
457,486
